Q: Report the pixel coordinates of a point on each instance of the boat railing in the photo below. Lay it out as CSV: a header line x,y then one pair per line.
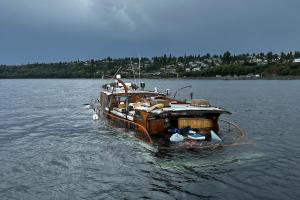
x,y
231,125
232,133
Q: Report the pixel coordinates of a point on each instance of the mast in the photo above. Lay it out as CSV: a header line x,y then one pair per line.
x,y
139,71
133,71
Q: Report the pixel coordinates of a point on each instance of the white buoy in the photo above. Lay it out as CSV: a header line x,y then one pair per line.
x,y
95,117
176,137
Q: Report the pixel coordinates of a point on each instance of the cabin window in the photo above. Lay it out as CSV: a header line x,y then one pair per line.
x,y
104,99
138,115
120,99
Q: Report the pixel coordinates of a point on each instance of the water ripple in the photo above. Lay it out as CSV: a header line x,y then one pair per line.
x,y
51,149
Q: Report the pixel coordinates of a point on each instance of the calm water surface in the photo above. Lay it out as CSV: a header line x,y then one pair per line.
x,y
50,148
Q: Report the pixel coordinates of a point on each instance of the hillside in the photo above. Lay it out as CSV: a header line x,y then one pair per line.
x,y
244,65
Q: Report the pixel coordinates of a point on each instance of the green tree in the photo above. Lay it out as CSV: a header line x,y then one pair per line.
x,y
227,57
270,57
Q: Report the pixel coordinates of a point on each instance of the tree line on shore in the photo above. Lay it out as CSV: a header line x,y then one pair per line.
x,y
227,64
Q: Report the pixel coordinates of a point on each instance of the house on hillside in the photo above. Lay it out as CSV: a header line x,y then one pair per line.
x,y
297,60
196,69
180,64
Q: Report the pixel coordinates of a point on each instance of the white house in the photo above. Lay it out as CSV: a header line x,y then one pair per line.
x,y
196,69
297,60
187,69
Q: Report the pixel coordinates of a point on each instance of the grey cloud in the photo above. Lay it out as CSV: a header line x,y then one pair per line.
x,y
52,30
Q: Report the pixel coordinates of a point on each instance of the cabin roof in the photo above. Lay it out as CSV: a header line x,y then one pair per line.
x,y
131,92
185,107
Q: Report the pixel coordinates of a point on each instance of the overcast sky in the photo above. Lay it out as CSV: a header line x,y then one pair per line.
x,y
64,30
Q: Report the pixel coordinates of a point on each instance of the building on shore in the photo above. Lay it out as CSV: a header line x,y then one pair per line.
x,y
297,60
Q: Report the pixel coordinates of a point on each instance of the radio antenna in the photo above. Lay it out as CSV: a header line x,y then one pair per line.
x,y
139,71
116,72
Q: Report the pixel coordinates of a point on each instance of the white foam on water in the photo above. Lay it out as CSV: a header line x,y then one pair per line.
x,y
208,161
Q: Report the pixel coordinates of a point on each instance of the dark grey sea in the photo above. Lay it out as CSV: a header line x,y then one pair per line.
x,y
50,148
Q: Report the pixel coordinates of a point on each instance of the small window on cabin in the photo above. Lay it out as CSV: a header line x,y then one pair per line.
x,y
138,115
106,99
120,99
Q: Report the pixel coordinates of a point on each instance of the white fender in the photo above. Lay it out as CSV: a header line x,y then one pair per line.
x,y
176,137
215,137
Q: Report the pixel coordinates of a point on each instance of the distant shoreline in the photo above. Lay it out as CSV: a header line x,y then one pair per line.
x,y
217,67
245,78
179,78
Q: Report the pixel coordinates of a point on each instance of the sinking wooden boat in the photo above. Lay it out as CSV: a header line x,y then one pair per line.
x,y
152,114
